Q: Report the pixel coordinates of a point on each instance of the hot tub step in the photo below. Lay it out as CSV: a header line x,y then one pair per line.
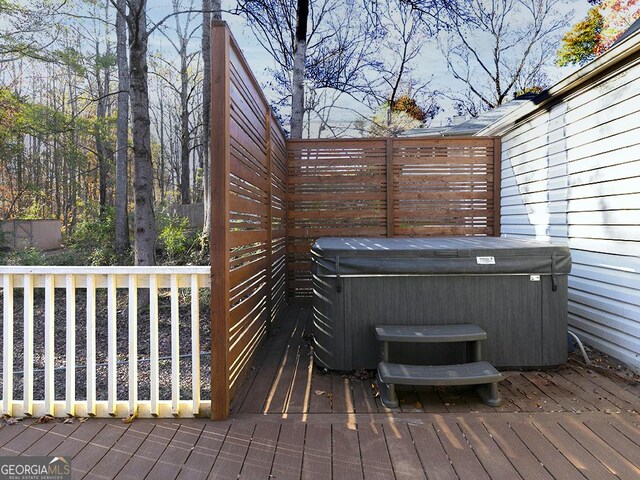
x,y
438,375
482,374
430,333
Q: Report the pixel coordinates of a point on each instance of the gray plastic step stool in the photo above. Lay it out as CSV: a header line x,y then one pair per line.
x,y
475,372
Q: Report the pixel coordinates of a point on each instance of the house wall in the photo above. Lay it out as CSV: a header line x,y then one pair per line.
x,y
571,173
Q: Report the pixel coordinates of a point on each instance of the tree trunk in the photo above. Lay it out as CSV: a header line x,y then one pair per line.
x,y
185,174
297,82
212,9
122,244
101,121
145,227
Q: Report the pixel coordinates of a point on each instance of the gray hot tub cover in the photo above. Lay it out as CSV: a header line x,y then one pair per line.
x,y
346,256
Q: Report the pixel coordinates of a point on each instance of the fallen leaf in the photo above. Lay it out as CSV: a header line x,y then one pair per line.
x,y
68,420
45,419
130,418
319,392
83,419
417,405
10,420
376,392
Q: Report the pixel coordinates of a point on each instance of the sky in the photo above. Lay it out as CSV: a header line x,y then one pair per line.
x,y
431,64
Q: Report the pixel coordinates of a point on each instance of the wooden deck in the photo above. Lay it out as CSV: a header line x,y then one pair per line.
x,y
290,421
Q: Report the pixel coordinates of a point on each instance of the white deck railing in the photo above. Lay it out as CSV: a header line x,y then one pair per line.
x,y
124,283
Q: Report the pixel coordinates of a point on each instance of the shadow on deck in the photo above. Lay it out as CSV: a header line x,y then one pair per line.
x,y
291,420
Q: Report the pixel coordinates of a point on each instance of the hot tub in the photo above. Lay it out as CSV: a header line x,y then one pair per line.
x,y
516,290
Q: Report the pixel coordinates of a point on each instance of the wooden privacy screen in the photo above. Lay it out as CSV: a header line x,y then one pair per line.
x,y
248,231
271,199
387,187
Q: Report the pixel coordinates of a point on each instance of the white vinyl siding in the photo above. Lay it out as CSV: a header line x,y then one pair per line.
x,y
571,173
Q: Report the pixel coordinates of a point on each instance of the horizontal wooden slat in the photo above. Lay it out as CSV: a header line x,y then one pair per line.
x,y
339,188
437,195
337,179
247,237
335,197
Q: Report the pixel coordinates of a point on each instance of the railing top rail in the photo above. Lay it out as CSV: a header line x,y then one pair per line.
x,y
83,270
412,139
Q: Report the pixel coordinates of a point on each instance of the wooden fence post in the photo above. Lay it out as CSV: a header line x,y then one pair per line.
x,y
389,187
497,175
220,219
269,224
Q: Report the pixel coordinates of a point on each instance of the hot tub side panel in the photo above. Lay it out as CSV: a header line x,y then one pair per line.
x,y
525,320
329,343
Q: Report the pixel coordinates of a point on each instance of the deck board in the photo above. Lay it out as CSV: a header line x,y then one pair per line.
x,y
581,459
52,439
149,453
345,459
518,453
126,446
287,462
178,451
233,451
316,460
431,452
95,450
25,439
79,439
404,458
546,452
616,439
376,463
602,451
259,459
494,461
464,460
205,452
294,420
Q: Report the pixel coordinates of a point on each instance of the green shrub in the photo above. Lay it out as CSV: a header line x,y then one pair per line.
x,y
177,242
27,256
93,241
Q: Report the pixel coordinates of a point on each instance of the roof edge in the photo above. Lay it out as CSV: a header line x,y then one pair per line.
x,y
629,47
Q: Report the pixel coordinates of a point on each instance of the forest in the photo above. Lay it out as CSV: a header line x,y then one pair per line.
x,y
104,104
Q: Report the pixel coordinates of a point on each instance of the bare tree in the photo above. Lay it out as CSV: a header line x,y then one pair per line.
x,y
184,34
145,226
497,47
211,10
299,60
122,134
405,35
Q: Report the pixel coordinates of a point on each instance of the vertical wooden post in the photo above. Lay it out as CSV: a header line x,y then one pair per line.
x,y
269,225
389,187
287,276
220,219
497,175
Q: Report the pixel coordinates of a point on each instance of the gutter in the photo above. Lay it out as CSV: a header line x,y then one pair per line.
x,y
628,48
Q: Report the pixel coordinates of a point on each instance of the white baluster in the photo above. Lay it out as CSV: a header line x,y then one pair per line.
x,y
112,345
49,344
70,284
28,345
195,343
154,378
91,344
7,345
133,344
175,346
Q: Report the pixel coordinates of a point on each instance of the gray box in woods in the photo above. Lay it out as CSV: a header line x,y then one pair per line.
x,y
516,290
